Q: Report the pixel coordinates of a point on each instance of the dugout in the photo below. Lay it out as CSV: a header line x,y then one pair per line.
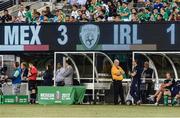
x,y
125,41
92,69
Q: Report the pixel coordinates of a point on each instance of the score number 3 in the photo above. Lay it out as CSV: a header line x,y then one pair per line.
x,y
64,39
172,30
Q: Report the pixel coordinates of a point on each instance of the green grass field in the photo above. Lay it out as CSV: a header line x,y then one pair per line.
x,y
87,111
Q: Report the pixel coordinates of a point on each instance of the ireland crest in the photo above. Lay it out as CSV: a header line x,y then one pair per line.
x,y
89,35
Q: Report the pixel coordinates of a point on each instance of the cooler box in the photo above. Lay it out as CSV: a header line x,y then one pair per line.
x,y
9,99
0,99
14,99
22,99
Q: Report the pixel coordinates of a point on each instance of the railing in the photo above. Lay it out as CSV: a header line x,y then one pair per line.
x,y
6,4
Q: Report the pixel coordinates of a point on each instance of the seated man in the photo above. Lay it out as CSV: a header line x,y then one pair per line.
x,y
176,93
165,89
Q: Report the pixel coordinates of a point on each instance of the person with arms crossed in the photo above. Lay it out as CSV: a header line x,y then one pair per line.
x,y
117,76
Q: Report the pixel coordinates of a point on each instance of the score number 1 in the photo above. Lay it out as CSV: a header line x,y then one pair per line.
x,y
171,29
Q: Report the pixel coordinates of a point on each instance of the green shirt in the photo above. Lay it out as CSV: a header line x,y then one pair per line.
x,y
141,16
155,17
166,16
99,3
119,10
28,16
125,11
91,8
147,16
168,11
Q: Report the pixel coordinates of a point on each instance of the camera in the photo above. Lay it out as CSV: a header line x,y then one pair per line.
x,y
3,70
3,76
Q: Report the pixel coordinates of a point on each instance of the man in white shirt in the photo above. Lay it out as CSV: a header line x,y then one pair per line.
x,y
59,78
74,12
21,14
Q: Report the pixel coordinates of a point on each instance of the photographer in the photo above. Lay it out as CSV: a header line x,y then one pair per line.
x,y
3,77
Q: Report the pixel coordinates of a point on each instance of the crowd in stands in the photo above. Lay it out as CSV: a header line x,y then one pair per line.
x,y
100,11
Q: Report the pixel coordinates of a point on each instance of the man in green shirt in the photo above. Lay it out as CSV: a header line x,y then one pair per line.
x,y
154,16
164,14
147,14
141,15
124,12
28,14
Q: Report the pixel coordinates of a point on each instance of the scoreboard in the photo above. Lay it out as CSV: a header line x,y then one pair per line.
x,y
102,36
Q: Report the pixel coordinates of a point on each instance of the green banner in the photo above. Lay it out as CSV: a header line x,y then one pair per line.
x,y
0,99
14,99
61,95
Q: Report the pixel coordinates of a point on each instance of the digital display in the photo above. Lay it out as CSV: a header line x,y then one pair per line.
x,y
90,36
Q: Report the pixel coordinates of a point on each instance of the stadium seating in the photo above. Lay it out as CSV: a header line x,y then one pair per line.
x,y
98,11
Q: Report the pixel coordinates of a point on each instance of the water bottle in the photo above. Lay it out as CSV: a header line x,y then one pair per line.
x,y
57,95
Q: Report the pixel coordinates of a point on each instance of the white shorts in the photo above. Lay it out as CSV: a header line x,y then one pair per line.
x,y
16,89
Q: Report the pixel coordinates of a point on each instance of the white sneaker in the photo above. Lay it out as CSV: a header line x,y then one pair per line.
x,y
151,98
138,102
157,104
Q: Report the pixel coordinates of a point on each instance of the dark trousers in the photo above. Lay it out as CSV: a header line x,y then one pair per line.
x,y
33,91
135,89
118,91
146,92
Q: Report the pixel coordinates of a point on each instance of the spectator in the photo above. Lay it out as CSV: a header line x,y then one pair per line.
x,y
106,10
21,14
6,18
48,13
74,12
158,5
86,12
55,19
160,18
125,12
111,9
36,18
72,19
28,14
134,16
175,15
48,75
154,16
164,14
46,19
43,14
34,13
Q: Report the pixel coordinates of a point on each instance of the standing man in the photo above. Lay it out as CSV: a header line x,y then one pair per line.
x,y
32,82
117,75
68,73
135,84
24,68
59,79
147,74
6,18
16,79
